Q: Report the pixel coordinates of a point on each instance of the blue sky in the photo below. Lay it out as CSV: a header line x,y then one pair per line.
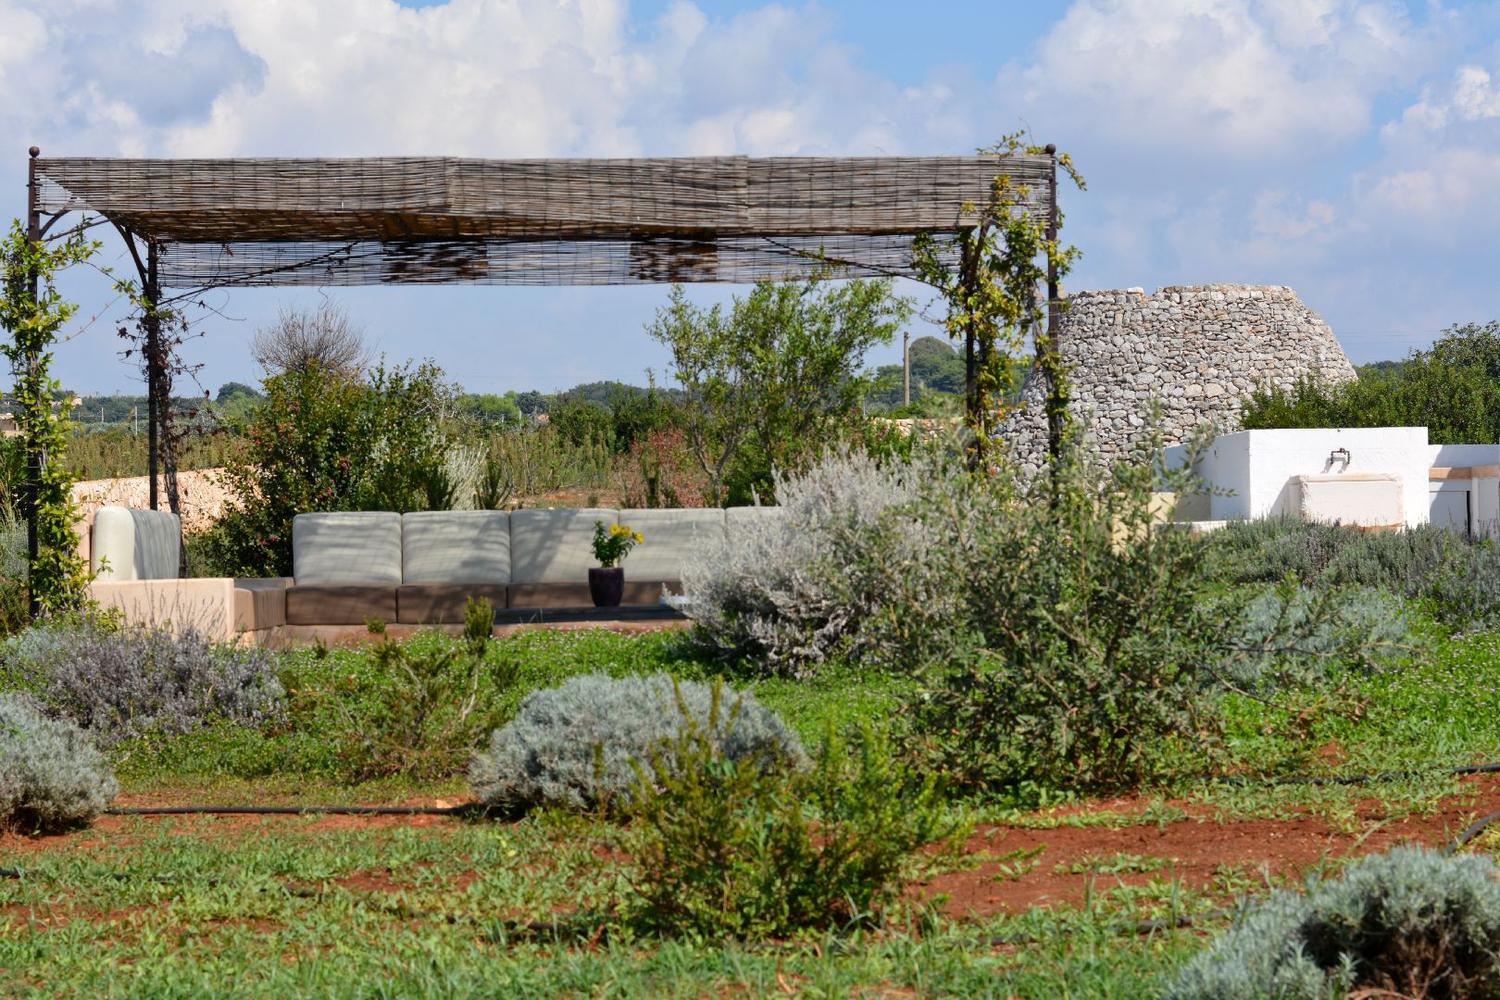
x,y
1347,148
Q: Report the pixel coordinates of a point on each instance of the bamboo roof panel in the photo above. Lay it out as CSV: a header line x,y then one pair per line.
x,y
580,221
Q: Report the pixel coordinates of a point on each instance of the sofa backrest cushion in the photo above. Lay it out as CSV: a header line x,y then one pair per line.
x,y
554,546
347,547
672,536
742,517
128,543
455,546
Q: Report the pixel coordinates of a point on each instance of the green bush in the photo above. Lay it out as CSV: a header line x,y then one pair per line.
x,y
1293,636
327,442
1452,389
727,847
1410,923
418,710
51,777
136,683
577,746
1459,577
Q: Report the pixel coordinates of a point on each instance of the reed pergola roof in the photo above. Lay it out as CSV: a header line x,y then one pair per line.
x,y
431,220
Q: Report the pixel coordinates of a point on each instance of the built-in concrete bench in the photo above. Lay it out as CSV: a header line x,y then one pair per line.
x,y
351,568
134,556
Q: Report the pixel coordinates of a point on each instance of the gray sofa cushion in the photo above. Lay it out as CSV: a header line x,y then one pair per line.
x,y
671,537
554,546
347,547
456,546
128,543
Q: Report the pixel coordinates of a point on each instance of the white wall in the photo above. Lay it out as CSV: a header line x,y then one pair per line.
x,y
1456,455
1255,468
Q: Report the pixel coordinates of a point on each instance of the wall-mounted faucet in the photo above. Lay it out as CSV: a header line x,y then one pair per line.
x,y
1338,455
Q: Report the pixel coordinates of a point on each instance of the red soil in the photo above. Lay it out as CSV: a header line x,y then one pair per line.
x,y
1003,870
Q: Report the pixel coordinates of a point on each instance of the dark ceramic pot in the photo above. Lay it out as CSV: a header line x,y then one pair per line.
x,y
606,585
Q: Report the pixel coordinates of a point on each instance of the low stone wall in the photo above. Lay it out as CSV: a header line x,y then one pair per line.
x,y
1197,350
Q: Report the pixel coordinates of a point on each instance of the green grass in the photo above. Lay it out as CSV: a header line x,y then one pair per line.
x,y
309,907
285,907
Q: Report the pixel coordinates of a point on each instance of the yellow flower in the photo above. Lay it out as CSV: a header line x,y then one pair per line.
x,y
639,538
617,530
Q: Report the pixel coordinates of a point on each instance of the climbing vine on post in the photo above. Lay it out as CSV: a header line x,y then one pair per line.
x,y
995,293
32,312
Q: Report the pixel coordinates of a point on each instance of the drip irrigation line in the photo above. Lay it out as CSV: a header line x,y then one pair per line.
x,y
1138,928
1354,779
464,810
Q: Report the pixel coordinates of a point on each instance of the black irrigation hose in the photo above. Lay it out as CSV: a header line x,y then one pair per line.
x,y
1353,779
467,809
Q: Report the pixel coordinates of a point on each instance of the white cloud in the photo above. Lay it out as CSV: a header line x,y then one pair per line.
x,y
1220,77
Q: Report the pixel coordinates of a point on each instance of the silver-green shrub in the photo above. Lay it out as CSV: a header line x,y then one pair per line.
x,y
1291,635
51,777
792,589
126,683
578,745
1408,923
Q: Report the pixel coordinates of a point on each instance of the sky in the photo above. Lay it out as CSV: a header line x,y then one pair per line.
x,y
1347,148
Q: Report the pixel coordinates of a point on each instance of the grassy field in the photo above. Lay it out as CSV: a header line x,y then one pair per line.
x,y
1037,902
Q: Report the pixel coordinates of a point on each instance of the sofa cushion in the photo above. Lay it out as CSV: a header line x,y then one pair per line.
x,y
339,604
444,603
128,543
738,518
455,546
671,537
347,547
554,546
260,604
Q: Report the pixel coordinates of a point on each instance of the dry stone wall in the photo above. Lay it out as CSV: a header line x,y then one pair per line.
x,y
1197,350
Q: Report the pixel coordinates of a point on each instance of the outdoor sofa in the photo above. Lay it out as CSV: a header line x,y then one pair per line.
x,y
353,568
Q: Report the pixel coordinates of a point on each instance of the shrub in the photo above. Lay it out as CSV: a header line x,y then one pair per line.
x,y
419,710
1458,576
122,684
329,441
1452,389
792,590
1292,635
732,847
51,777
1408,923
577,745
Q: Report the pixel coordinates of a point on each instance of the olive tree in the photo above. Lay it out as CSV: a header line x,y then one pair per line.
x,y
769,382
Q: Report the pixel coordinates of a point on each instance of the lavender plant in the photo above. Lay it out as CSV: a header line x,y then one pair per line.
x,y
1410,923
130,683
792,588
578,745
51,777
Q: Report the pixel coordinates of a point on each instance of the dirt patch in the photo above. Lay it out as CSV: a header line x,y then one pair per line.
x,y
1005,868
1019,868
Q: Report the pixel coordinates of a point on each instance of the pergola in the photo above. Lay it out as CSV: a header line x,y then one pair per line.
x,y
198,224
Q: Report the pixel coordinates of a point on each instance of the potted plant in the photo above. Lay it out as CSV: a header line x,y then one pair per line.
x,y
612,543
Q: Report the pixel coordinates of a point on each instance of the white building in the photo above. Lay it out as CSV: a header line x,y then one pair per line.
x,y
1378,477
